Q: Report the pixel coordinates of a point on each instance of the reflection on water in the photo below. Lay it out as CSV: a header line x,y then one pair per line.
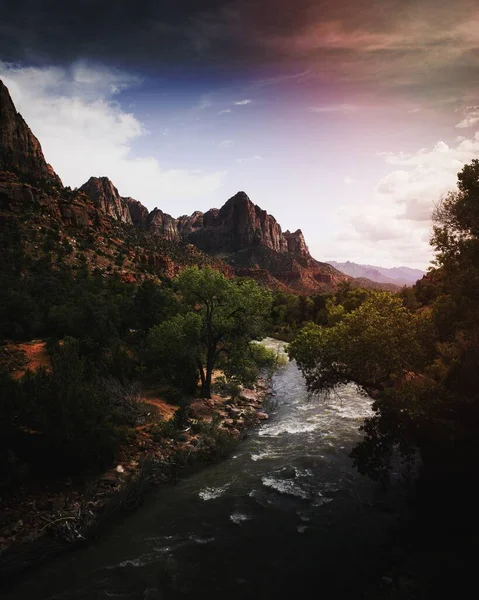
x,y
284,513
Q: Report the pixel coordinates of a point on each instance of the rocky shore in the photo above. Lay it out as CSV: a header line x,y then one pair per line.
x,y
39,521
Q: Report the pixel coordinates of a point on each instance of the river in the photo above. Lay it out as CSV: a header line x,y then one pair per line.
x,y
285,515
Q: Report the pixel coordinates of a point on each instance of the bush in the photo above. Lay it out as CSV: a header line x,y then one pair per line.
x,y
245,366
66,420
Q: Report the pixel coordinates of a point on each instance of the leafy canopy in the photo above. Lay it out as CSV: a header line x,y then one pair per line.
x,y
220,317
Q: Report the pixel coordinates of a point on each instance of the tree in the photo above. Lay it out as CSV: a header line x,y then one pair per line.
x,y
381,346
420,363
372,346
221,317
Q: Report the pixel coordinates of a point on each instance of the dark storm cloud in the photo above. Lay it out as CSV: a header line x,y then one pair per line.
x,y
132,32
401,44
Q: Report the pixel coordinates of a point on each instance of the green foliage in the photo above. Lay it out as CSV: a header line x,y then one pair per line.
x,y
290,312
215,441
376,346
219,318
61,421
173,350
244,364
416,354
371,345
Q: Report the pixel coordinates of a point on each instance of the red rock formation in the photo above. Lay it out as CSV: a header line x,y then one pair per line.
x,y
106,197
241,233
188,224
20,151
296,243
239,224
163,225
138,212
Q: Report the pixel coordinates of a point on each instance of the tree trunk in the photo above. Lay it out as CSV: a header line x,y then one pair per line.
x,y
206,382
206,386
203,379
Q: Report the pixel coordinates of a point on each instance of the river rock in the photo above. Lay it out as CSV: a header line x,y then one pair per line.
x,y
262,416
249,395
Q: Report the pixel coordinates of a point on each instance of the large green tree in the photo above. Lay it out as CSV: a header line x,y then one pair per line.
x,y
221,317
381,346
420,364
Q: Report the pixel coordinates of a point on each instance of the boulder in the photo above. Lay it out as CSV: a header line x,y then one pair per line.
x,y
262,416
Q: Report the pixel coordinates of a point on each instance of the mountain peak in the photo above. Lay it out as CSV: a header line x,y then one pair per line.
x,y
296,242
20,151
392,275
239,199
105,195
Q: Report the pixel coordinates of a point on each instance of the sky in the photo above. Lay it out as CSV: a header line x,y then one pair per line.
x,y
345,119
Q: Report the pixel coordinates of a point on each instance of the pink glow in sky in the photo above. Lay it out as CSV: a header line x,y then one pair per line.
x,y
345,119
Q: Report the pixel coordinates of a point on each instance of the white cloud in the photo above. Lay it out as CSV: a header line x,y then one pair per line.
x,y
224,111
243,102
471,117
395,226
349,180
424,177
226,143
341,108
249,158
375,228
85,132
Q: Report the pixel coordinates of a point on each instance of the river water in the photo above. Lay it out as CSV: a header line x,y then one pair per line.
x,y
285,515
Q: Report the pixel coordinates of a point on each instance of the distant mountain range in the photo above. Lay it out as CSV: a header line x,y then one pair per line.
x,y
395,275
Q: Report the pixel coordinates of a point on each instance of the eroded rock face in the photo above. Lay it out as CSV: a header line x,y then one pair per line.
x,y
164,225
20,151
296,242
237,225
246,238
138,212
188,224
106,197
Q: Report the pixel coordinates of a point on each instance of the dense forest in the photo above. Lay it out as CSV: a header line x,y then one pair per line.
x,y
107,337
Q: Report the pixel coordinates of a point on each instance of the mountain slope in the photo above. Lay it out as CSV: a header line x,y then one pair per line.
x,y
20,151
95,227
396,275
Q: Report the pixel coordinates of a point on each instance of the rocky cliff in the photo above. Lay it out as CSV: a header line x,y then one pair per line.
x,y
240,233
247,237
20,151
106,197
163,225
100,228
138,212
237,225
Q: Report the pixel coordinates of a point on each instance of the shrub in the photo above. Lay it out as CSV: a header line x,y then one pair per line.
x,y
66,420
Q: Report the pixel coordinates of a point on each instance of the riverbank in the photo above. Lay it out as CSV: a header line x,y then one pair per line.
x,y
282,514
45,519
